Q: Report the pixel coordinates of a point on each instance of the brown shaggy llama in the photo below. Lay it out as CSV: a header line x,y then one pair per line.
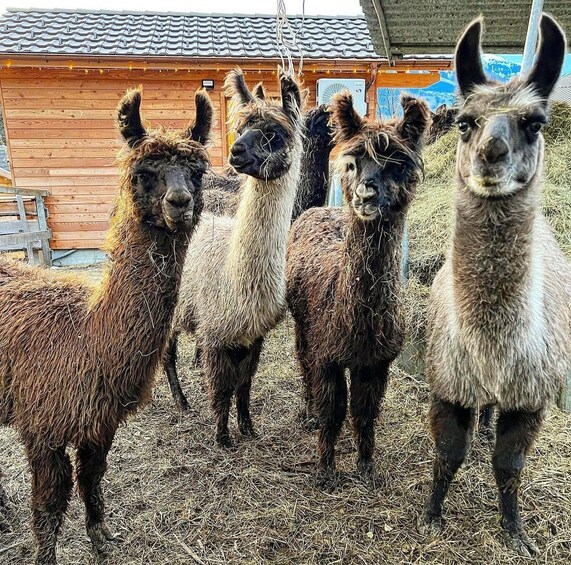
x,y
75,362
221,191
343,276
233,288
500,309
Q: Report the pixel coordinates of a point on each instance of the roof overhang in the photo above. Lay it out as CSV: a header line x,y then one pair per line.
x,y
409,27
183,64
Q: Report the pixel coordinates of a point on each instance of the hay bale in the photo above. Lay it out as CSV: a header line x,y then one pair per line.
x,y
430,217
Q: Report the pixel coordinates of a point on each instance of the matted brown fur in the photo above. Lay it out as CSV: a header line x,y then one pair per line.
x,y
343,275
76,361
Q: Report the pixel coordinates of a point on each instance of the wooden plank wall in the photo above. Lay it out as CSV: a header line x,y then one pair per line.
x,y
61,133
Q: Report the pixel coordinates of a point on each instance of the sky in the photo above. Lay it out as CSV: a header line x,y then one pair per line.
x,y
314,7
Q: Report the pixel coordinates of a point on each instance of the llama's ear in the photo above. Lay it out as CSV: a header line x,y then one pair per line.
x,y
259,92
415,121
235,86
200,129
441,109
347,121
291,96
549,58
468,59
129,117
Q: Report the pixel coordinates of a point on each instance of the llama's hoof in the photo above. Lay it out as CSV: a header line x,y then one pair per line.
x,y
326,480
520,542
247,429
308,422
429,524
102,538
366,472
182,404
224,440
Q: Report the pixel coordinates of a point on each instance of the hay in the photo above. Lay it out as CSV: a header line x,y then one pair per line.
x,y
177,499
430,217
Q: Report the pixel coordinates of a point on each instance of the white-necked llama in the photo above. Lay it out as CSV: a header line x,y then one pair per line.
x,y
343,276
222,192
500,308
75,362
233,289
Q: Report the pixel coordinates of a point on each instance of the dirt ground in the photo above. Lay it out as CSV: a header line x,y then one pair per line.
x,y
176,498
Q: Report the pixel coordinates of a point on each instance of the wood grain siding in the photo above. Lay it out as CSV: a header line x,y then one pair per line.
x,y
61,132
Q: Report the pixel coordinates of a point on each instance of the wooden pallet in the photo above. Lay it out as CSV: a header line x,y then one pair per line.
x,y
23,223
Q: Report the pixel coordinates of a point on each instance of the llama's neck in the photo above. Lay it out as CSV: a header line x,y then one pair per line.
x,y
258,243
493,244
313,175
372,254
131,311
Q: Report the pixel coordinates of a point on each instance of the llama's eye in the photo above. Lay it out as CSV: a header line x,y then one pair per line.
x,y
350,166
534,127
145,176
197,176
463,126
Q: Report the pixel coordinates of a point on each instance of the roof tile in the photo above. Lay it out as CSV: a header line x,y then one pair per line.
x,y
56,32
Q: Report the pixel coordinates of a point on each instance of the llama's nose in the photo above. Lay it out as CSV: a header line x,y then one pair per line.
x,y
367,190
179,197
238,148
493,150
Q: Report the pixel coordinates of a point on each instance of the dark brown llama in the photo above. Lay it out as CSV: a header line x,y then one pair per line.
x,y
442,121
343,276
75,362
233,287
499,327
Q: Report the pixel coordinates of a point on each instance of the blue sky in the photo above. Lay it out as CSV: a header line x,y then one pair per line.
x,y
499,67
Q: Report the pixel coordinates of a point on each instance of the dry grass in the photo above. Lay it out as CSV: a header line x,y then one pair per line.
x,y
177,498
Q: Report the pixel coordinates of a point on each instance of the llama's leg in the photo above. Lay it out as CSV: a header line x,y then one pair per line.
x,y
197,357
246,370
172,376
330,393
221,374
307,416
51,491
486,424
515,434
91,464
6,507
368,386
451,426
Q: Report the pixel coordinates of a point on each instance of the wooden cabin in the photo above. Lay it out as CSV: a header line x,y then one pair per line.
x,y
63,72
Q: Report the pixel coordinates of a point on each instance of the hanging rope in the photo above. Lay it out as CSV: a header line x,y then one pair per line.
x,y
287,38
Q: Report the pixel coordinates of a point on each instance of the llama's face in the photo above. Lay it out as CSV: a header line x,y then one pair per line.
x,y
380,163
164,169
501,148
266,131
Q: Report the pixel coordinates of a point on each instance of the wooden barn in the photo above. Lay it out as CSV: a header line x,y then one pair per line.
x,y
63,72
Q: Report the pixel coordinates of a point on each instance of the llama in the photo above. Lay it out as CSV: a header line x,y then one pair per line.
x,y
75,362
442,121
314,166
233,289
221,192
499,314
343,277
